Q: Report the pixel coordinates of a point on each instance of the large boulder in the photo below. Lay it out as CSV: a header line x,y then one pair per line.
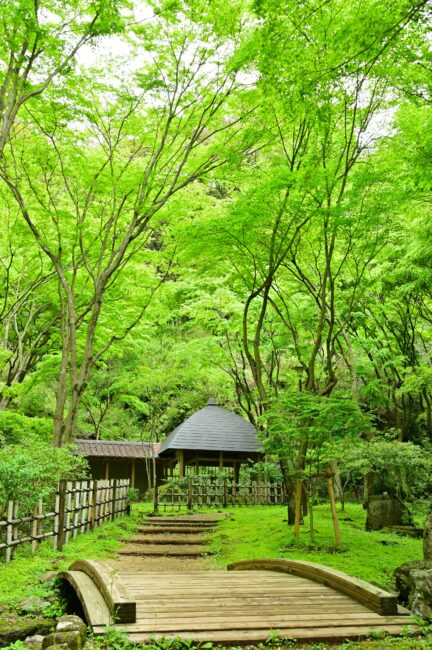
x,y
384,511
414,582
427,538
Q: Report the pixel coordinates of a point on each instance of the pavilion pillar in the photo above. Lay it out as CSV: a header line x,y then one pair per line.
x,y
221,460
107,463
236,467
181,463
132,480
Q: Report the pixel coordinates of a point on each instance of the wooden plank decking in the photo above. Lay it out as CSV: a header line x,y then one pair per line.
x,y
243,607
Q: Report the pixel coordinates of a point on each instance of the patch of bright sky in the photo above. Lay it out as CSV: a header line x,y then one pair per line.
x,y
117,51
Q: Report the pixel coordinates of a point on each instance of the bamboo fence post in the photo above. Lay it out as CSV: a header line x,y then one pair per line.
x,y
9,528
61,514
77,504
113,501
189,494
109,500
104,497
99,504
15,526
34,532
40,524
68,510
84,501
333,511
225,494
297,510
92,508
56,520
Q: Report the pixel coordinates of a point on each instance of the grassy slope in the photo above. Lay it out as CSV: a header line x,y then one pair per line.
x,y
262,532
20,578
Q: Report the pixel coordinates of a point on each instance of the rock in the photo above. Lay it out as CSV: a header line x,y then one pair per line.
x,y
70,633
34,642
71,640
71,623
384,511
19,630
414,582
427,538
48,576
36,638
34,605
405,531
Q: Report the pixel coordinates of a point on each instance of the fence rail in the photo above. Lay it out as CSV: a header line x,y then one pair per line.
x,y
217,494
78,507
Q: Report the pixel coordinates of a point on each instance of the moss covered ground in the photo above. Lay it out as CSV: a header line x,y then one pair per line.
x,y
262,532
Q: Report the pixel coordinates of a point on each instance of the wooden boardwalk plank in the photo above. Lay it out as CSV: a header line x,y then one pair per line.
x,y
243,637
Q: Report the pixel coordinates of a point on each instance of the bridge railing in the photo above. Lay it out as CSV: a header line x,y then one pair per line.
x,y
77,507
195,493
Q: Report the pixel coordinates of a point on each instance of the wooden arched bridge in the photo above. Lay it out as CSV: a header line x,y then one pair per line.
x,y
242,605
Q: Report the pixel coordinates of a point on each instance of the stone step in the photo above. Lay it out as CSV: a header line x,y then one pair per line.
x,y
168,539
156,530
164,550
195,524
188,518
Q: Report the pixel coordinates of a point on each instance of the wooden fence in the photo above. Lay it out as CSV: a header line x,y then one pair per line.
x,y
194,494
77,507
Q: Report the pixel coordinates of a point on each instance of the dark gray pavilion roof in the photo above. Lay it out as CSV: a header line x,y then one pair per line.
x,y
213,428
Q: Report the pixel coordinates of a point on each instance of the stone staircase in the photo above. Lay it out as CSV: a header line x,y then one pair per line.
x,y
181,536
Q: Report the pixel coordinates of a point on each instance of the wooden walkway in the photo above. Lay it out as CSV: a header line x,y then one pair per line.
x,y
241,606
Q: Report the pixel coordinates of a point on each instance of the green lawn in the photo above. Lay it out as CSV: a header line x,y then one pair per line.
x,y
262,532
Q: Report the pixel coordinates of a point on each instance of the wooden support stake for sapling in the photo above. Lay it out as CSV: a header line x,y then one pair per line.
x,y
156,499
333,511
298,501
311,512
